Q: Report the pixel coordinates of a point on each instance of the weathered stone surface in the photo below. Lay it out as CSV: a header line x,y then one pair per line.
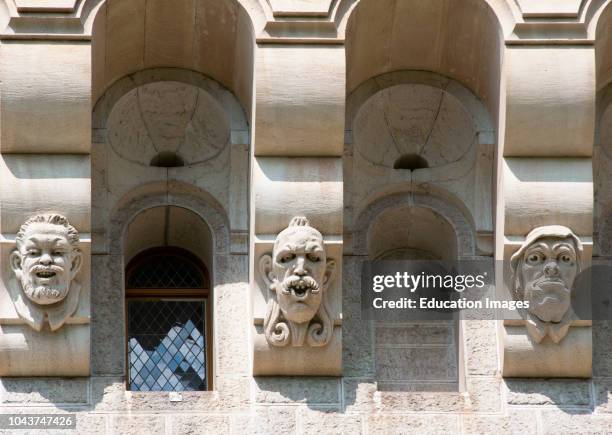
x,y
417,334
415,363
482,395
602,390
357,350
602,351
132,424
198,424
297,390
515,422
480,341
413,119
231,394
573,422
408,424
107,302
168,117
265,420
91,424
329,422
568,392
30,391
231,328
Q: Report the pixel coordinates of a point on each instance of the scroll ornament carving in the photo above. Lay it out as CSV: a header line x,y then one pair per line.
x,y
298,273
45,262
543,273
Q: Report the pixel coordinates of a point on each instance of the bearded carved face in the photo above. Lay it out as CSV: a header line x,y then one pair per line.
x,y
548,272
45,261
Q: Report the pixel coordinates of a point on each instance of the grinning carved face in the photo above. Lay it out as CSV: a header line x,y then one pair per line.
x,y
298,272
46,259
548,271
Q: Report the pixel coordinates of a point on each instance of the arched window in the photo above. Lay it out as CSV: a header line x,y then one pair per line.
x,y
168,322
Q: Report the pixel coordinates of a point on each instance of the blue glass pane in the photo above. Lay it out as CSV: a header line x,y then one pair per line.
x,y
166,345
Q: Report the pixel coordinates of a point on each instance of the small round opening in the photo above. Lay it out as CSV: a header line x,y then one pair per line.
x,y
167,159
410,161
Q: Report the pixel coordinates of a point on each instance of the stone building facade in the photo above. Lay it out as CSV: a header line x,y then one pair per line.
x,y
246,141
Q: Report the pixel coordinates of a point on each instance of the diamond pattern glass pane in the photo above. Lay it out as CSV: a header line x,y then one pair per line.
x,y
166,345
166,271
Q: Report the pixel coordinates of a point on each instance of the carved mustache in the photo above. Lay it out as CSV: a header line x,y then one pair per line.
x,y
300,285
45,271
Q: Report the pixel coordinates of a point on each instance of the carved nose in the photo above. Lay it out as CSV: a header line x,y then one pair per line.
x,y
299,267
46,259
551,269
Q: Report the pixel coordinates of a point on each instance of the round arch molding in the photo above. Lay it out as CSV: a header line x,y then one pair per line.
x,y
216,39
460,39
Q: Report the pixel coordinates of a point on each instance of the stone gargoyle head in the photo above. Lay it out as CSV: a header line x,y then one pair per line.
x,y
543,273
298,274
45,262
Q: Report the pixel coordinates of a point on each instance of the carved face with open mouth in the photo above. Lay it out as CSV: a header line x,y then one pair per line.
x,y
45,262
299,271
299,266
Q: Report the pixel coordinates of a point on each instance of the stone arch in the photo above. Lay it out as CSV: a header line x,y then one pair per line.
x,y
226,99
463,41
507,13
464,232
203,146
209,212
221,265
371,87
434,117
214,38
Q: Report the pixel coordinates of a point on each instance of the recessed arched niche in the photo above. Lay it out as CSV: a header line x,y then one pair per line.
x,y
423,95
411,233
172,85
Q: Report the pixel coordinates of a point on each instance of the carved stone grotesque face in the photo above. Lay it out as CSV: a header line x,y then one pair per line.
x,y
298,272
549,269
47,258
545,268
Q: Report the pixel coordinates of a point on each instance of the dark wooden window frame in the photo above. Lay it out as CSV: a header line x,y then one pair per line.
x,y
184,294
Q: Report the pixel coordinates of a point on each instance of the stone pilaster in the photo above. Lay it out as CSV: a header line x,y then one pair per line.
x,y
545,184
45,112
297,171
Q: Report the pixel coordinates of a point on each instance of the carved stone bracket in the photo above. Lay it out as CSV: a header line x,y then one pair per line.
x,y
299,326
49,312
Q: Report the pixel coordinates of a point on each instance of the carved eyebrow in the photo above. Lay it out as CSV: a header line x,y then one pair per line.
x,y
540,246
563,245
314,247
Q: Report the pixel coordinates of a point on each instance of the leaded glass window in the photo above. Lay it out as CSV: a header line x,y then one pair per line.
x,y
166,345
165,270
167,317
